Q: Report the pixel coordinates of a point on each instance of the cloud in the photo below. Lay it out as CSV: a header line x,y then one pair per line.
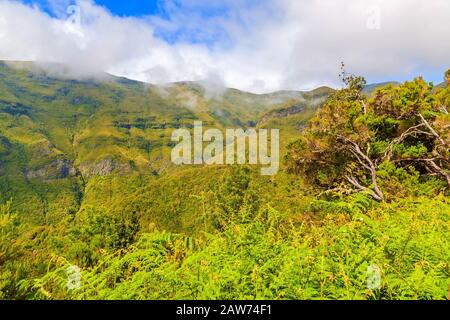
x,y
258,46
96,45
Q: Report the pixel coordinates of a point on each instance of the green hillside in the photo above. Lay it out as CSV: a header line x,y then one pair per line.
x,y
86,180
59,134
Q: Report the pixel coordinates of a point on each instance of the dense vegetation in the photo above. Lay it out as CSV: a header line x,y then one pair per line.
x,y
350,140
365,185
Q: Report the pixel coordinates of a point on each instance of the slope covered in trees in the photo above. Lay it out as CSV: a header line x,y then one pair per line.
x,y
363,187
353,140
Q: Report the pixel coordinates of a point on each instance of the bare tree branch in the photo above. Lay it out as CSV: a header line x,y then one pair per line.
x,y
425,122
412,131
439,170
367,164
360,188
431,166
364,106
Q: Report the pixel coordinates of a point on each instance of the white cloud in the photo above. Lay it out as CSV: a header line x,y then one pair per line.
x,y
280,44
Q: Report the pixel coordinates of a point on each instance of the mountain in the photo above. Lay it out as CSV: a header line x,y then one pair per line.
x,y
88,191
371,88
100,125
59,137
441,85
63,141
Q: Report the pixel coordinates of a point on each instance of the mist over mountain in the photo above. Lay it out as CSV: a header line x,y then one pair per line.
x,y
54,127
86,176
66,126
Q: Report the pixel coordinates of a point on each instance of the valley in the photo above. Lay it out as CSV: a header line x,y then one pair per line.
x,y
86,180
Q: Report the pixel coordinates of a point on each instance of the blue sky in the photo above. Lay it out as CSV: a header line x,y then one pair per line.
x,y
162,9
120,8
139,8
132,7
253,45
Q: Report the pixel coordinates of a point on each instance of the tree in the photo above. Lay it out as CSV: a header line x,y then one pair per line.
x,y
421,135
351,135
